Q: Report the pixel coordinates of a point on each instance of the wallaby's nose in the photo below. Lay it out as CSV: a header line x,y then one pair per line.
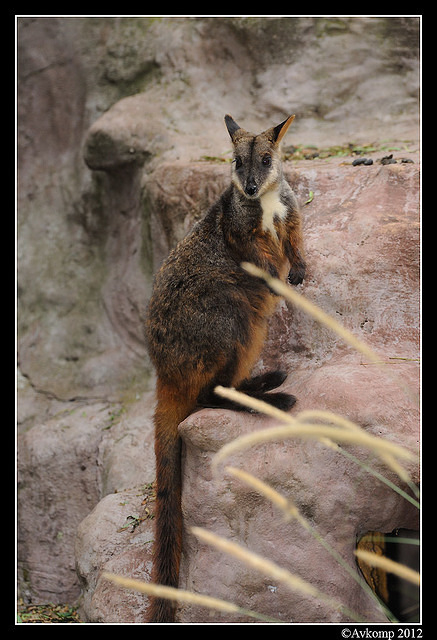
x,y
251,187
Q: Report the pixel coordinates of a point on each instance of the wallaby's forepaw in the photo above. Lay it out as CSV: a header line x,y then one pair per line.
x,y
296,275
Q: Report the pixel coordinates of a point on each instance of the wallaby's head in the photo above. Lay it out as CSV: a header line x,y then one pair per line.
x,y
256,167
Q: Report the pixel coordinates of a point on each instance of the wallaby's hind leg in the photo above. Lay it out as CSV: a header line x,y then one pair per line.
x,y
283,401
211,400
255,387
262,383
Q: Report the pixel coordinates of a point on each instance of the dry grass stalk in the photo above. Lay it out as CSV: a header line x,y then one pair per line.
x,y
297,429
303,303
325,416
180,595
285,505
257,562
254,403
318,314
291,511
329,416
267,567
375,560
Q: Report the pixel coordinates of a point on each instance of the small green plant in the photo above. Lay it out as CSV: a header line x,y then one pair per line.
x,y
46,613
311,152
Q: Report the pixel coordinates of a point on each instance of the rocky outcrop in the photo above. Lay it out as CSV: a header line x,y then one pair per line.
x,y
102,228
362,240
65,465
127,94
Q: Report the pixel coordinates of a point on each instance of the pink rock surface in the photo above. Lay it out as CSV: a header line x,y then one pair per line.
x,y
362,242
362,238
117,537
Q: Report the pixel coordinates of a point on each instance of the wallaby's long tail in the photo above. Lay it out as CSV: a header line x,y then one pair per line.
x,y
170,411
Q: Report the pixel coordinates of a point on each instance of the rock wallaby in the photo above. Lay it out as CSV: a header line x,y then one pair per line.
x,y
207,318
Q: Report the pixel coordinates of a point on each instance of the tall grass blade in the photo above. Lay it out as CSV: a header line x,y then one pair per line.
x,y
267,567
290,510
388,565
187,597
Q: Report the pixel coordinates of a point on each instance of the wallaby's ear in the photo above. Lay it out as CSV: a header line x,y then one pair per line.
x,y
232,126
277,133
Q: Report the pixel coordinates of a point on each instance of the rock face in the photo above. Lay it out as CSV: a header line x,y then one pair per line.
x,y
66,464
110,180
362,240
128,94
116,535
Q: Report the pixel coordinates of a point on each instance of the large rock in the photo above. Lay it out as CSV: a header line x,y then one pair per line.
x,y
362,243
66,465
116,536
57,486
130,93
338,499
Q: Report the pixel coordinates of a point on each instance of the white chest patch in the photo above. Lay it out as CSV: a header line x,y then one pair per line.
x,y
271,207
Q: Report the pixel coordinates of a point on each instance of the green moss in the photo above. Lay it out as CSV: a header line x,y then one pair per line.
x,y
310,152
46,613
331,26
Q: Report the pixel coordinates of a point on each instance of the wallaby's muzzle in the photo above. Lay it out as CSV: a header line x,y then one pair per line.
x,y
251,187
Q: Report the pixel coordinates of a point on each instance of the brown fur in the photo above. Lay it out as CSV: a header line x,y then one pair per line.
x,y
207,319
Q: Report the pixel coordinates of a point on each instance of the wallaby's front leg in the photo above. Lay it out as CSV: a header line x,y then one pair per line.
x,y
297,266
294,253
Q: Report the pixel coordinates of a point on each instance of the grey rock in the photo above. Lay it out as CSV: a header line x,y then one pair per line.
x,y
107,540
65,466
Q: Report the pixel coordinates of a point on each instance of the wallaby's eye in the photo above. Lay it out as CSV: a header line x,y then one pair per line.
x,y
238,162
267,160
